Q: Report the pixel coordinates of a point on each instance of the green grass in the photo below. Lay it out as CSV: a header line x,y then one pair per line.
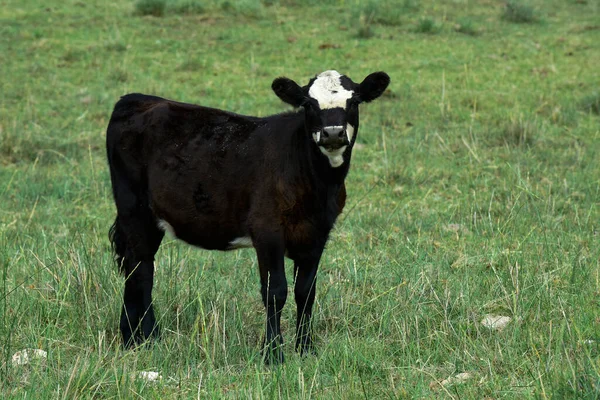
x,y
591,103
189,7
151,7
474,189
519,12
365,15
427,25
467,27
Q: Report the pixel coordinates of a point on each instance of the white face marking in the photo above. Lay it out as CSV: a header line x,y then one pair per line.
x,y
327,89
240,243
317,136
166,227
335,157
333,127
349,132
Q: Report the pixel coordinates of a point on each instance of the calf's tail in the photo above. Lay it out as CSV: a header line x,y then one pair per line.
x,y
119,245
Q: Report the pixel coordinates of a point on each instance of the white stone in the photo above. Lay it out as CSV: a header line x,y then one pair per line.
x,y
458,378
26,356
150,376
495,322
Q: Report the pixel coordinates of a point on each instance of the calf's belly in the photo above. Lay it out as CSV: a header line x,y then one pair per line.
x,y
208,236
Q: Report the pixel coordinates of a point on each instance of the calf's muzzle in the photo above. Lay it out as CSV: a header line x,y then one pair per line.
x,y
333,137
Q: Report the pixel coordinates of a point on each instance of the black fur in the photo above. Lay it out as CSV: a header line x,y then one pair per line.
x,y
373,86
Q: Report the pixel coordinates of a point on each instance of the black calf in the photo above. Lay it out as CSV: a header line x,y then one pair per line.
x,y
223,181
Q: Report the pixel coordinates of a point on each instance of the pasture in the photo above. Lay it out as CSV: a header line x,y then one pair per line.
x,y
474,189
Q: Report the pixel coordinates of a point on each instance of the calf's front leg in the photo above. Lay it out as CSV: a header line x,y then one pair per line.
x,y
305,271
270,251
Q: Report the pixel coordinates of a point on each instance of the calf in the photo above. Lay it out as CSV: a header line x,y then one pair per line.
x,y
223,181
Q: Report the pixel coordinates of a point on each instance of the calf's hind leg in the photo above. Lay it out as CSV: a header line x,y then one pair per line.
x,y
137,317
139,239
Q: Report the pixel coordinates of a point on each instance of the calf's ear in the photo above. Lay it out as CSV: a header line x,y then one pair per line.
x,y
288,91
373,86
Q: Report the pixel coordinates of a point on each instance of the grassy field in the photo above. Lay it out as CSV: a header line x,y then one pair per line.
x,y
474,190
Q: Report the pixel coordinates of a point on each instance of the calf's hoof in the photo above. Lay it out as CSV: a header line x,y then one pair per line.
x,y
273,354
306,350
304,346
137,338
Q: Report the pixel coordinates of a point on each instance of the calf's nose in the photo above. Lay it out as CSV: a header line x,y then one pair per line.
x,y
333,131
333,137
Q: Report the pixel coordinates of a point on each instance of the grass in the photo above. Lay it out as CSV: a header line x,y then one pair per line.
x,y
591,103
151,7
189,7
368,14
158,8
427,25
519,12
466,26
389,13
474,190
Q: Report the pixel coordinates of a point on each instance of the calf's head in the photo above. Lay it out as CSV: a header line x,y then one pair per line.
x,y
330,101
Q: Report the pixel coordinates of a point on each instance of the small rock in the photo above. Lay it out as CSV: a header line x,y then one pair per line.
x,y
150,376
456,228
495,322
463,376
459,378
26,356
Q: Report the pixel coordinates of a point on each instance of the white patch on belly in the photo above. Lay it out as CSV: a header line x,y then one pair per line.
x,y
166,227
335,157
241,243
350,132
327,89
